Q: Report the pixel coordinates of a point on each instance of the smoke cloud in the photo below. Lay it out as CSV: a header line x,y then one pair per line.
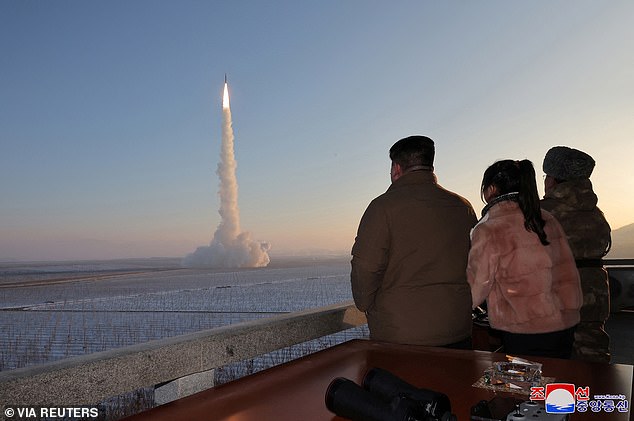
x,y
229,247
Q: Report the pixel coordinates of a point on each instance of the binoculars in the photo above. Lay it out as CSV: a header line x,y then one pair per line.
x,y
386,397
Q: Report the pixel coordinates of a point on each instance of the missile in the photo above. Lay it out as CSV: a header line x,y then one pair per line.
x,y
225,94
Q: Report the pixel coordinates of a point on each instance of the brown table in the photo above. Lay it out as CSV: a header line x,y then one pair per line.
x,y
295,390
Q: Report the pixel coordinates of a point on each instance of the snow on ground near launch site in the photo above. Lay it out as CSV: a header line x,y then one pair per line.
x,y
50,311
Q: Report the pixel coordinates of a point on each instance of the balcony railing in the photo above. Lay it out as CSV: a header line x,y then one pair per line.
x,y
621,272
184,364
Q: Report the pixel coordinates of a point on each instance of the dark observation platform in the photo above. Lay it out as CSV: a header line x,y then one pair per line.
x,y
296,390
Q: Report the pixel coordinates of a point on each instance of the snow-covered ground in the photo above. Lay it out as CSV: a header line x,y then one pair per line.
x,y
50,311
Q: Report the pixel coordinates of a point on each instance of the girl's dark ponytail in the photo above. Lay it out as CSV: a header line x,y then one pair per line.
x,y
529,200
517,178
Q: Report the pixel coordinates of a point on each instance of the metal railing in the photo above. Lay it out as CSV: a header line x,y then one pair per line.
x,y
90,379
621,273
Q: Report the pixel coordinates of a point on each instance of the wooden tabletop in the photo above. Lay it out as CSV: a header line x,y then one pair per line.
x,y
296,390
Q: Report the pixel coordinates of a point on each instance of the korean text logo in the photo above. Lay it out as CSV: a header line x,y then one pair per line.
x,y
565,398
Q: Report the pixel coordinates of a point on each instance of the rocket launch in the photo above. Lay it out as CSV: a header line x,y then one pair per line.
x,y
229,248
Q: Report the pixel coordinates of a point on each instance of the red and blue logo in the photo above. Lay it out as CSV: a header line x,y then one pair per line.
x,y
560,398
564,398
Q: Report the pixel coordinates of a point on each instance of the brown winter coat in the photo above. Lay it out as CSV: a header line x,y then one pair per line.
x,y
529,287
409,261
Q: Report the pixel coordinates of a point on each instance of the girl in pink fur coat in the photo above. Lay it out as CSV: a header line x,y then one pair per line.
x,y
520,263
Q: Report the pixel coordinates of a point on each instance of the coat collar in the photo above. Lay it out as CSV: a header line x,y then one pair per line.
x,y
414,177
508,197
498,205
578,194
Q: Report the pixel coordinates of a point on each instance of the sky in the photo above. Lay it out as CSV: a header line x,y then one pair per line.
x,y
110,112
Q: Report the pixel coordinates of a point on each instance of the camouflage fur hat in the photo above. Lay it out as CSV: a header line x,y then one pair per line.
x,y
564,163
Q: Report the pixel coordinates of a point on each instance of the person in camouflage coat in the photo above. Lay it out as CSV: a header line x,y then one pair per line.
x,y
571,199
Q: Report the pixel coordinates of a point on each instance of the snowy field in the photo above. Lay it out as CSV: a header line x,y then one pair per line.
x,y
50,311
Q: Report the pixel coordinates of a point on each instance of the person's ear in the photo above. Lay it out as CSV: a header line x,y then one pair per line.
x,y
396,171
490,193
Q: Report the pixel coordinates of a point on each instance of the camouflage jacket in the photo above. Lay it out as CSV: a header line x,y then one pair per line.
x,y
574,204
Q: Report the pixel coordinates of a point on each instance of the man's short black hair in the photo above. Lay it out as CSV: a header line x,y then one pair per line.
x,y
413,151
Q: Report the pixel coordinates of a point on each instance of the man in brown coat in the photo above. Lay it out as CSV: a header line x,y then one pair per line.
x,y
409,258
570,198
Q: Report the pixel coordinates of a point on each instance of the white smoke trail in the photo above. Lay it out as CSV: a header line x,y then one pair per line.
x,y
229,247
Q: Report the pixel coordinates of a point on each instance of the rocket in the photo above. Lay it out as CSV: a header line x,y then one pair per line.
x,y
225,94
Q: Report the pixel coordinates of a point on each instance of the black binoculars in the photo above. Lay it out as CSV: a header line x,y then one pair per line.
x,y
386,397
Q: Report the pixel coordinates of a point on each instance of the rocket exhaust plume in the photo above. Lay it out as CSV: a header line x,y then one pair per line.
x,y
229,247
